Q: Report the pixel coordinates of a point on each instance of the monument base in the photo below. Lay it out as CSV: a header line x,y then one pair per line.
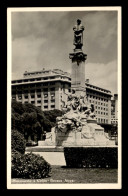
x,y
90,135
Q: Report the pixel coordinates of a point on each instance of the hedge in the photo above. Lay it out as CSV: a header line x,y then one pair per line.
x,y
93,157
29,166
18,142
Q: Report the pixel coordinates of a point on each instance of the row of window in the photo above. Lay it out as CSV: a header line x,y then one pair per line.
x,y
33,96
102,113
98,98
100,108
38,101
114,122
102,120
37,90
99,103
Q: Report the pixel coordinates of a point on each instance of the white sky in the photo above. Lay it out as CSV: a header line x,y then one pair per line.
x,y
45,39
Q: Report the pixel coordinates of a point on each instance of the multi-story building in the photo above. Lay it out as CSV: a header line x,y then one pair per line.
x,y
45,89
114,109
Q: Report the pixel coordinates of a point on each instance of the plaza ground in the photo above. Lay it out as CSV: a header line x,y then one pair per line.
x,y
62,174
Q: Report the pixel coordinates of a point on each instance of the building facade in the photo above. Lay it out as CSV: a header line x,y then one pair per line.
x,y
46,89
114,110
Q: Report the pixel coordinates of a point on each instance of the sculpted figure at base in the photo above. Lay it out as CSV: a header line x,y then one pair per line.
x,y
76,113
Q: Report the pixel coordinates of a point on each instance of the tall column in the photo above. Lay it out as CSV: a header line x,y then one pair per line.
x,y
78,61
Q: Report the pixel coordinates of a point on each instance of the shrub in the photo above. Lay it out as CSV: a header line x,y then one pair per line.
x,y
91,157
18,142
29,166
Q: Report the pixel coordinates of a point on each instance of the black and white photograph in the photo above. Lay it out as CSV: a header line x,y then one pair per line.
x,y
64,98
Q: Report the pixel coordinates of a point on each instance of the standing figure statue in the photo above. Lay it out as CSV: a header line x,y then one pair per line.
x,y
78,34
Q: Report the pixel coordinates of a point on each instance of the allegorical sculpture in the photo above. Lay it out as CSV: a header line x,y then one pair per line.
x,y
77,127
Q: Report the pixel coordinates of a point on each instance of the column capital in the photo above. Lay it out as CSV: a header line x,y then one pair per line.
x,y
78,56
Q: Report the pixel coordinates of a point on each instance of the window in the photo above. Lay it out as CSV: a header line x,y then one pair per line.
x,y
32,91
45,95
106,104
45,107
26,91
32,102
98,108
38,95
38,90
38,79
52,106
32,96
38,85
19,81
19,92
106,113
26,96
98,112
52,77
52,83
32,85
31,80
96,102
45,101
45,78
45,89
52,94
52,100
39,101
19,97
45,84
52,89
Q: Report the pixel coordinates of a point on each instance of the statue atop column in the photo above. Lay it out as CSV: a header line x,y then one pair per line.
x,y
78,34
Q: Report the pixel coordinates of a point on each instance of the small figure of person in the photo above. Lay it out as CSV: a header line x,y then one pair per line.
x,y
78,33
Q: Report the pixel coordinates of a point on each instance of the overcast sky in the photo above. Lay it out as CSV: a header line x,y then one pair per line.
x,y
45,39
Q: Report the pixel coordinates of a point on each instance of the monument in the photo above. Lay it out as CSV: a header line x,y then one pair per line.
x,y
78,60
78,126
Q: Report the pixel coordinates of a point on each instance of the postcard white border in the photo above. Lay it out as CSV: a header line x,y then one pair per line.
x,y
117,185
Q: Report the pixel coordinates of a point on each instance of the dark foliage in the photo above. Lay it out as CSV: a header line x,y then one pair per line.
x,y
29,118
18,142
91,157
29,166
